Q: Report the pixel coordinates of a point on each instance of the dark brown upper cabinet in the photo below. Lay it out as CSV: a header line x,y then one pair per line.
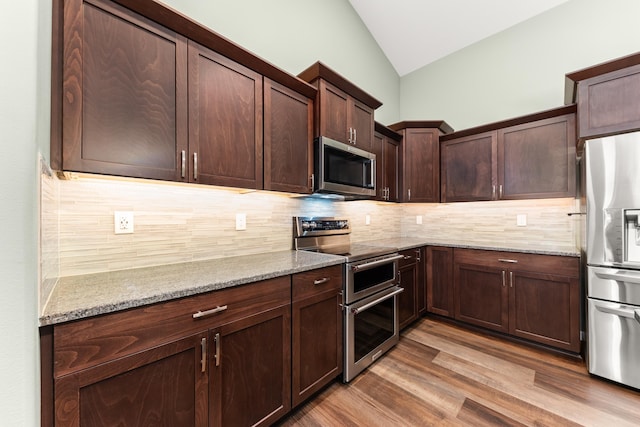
x,y
139,90
225,121
343,111
530,157
386,147
288,139
123,103
607,96
420,160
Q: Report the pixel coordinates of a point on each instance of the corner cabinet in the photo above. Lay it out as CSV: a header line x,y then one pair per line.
x,y
221,358
420,160
142,91
343,111
525,158
536,297
317,330
386,147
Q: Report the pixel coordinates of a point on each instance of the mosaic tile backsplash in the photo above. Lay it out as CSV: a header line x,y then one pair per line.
x,y
182,222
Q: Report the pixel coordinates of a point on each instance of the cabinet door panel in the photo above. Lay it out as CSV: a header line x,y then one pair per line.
x,y
124,103
225,120
160,386
407,300
333,112
288,139
361,121
468,168
421,166
545,308
440,281
537,160
252,383
482,296
390,178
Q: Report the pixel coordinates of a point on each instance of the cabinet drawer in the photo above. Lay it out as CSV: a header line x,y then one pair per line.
x,y
517,261
317,281
410,257
92,341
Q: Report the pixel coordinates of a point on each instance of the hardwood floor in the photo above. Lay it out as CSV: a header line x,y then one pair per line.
x,y
441,374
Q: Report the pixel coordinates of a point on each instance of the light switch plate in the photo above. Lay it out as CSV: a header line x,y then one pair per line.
x,y
521,220
367,220
418,219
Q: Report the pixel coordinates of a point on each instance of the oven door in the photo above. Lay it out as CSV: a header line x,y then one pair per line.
x,y
371,328
365,278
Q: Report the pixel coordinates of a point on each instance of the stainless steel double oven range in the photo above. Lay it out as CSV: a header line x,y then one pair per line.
x,y
369,293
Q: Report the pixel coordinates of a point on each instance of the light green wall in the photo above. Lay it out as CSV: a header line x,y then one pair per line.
x,y
25,41
521,70
293,34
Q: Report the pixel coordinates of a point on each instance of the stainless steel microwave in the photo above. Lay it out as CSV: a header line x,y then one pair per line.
x,y
343,169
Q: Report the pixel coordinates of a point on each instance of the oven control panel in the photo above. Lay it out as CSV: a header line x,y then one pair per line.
x,y
319,226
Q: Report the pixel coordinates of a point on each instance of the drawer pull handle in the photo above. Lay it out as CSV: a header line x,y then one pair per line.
x,y
321,281
201,314
407,257
512,261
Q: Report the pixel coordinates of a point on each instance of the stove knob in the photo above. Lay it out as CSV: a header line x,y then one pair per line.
x,y
312,225
305,225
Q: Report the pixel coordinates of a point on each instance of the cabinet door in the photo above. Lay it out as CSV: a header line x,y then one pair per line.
x,y
361,122
225,121
333,115
482,297
251,370
390,169
421,166
408,280
288,139
124,103
378,150
164,385
545,308
440,281
537,160
468,168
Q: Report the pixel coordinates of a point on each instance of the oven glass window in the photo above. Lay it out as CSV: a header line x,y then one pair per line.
x,y
342,167
365,279
373,327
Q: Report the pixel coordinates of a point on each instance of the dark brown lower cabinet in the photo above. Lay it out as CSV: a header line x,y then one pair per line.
x,y
531,296
317,330
411,280
439,280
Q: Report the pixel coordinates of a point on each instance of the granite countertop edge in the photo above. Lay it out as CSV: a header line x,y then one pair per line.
x,y
73,299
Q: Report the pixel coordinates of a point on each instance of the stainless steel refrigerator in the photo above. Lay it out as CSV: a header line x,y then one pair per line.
x,y
612,188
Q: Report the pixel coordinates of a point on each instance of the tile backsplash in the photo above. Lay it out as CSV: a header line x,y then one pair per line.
x,y
183,222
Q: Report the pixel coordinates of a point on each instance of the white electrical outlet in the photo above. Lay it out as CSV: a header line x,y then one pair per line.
x,y
241,221
123,222
418,219
367,220
521,220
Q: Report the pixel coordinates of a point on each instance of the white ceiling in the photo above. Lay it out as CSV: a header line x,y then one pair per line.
x,y
414,33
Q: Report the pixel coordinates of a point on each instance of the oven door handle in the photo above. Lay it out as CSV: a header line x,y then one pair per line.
x,y
620,311
371,264
357,310
619,276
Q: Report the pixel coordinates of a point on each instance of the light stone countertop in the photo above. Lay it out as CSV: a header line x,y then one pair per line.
x,y
77,297
403,243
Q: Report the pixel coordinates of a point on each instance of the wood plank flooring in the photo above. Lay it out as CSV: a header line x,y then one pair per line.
x,y
444,375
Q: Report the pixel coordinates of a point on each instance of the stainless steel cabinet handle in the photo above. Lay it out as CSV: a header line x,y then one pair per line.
x,y
201,314
418,255
183,166
313,181
511,279
407,257
195,166
217,355
203,357
493,192
355,136
511,261
321,281
409,192
503,279
500,192
350,135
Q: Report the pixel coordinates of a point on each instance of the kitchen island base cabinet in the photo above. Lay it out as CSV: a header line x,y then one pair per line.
x,y
317,330
536,297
